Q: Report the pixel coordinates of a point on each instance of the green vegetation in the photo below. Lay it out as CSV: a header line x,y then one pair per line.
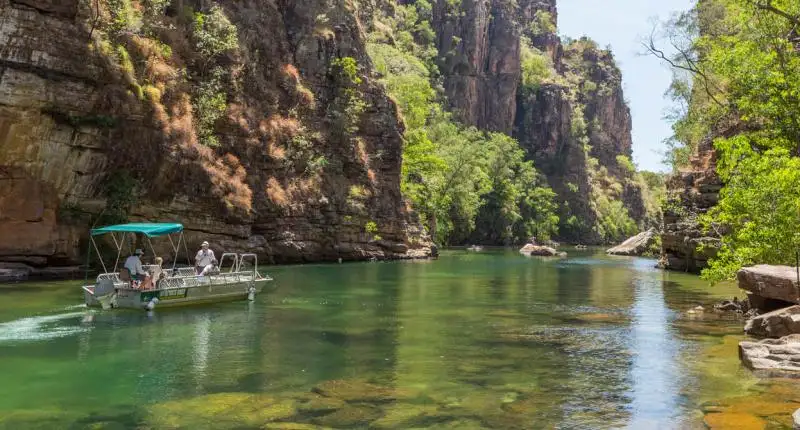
x,y
743,83
213,33
537,67
465,184
345,110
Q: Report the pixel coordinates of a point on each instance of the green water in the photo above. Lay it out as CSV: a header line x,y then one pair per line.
x,y
472,340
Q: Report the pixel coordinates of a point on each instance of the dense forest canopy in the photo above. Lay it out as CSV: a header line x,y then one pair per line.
x,y
737,82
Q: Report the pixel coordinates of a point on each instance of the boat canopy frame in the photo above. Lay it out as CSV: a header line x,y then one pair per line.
x,y
149,230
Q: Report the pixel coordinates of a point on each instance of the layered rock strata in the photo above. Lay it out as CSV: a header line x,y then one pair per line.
x,y
73,114
685,245
773,357
775,324
771,282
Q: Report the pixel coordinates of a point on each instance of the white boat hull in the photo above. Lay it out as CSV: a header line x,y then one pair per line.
x,y
207,290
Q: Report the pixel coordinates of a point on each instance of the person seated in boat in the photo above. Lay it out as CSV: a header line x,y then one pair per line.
x,y
204,258
157,272
211,269
134,266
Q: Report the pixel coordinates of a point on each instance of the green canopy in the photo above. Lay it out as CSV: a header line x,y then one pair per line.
x,y
148,229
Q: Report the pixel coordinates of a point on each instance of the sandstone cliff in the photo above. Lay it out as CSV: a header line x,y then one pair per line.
x,y
132,110
686,246
574,124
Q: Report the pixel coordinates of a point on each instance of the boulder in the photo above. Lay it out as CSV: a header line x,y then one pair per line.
x,y
796,420
772,357
772,282
775,324
636,245
542,251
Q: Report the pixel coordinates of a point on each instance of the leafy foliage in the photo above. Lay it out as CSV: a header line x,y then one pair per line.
x,y
745,66
214,33
466,184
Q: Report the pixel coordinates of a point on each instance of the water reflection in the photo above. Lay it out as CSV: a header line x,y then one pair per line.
x,y
492,338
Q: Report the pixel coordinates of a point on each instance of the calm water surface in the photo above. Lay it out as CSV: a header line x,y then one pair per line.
x,y
473,340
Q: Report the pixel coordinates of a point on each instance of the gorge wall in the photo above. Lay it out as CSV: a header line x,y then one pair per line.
x,y
245,122
574,124
287,153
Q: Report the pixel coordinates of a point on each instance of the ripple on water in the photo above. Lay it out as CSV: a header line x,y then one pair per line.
x,y
42,327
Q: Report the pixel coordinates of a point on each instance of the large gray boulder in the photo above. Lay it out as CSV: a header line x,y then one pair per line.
x,y
636,245
772,357
775,324
772,282
541,251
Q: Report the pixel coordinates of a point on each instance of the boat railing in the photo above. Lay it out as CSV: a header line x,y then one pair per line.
x,y
234,263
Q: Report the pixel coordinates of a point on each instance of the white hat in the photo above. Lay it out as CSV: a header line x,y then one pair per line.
x,y
204,243
138,252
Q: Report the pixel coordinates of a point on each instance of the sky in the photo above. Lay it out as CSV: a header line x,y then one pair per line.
x,y
623,24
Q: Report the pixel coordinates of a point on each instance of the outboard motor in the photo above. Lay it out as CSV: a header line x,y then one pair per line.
x,y
151,304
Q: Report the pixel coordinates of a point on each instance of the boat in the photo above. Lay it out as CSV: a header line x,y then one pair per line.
x,y
236,278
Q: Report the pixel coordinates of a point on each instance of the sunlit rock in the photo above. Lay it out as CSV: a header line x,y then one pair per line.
x,y
636,245
773,357
775,324
540,251
772,282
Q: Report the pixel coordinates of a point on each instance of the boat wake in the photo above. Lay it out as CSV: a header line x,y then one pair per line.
x,y
43,327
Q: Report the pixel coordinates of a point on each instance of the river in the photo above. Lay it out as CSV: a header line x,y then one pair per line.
x,y
472,340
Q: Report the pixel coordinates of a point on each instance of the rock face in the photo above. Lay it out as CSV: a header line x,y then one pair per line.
x,y
775,324
772,357
479,46
690,193
582,165
771,282
636,245
76,118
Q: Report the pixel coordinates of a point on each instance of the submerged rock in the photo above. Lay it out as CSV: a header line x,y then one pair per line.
x,y
350,416
221,410
772,282
636,245
730,420
355,391
775,324
772,357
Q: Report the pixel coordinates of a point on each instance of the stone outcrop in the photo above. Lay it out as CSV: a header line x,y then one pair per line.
x,y
685,246
541,251
545,126
775,324
72,116
770,282
478,42
772,357
636,245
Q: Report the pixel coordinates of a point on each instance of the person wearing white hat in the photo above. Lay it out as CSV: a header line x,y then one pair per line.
x,y
204,258
134,266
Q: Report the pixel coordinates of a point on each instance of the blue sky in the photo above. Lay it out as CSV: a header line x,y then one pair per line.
x,y
623,24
